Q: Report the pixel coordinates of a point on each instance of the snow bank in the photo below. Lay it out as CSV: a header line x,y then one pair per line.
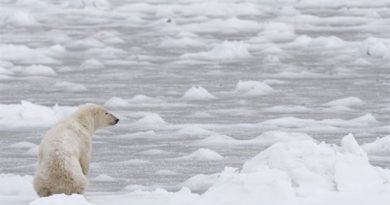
x,y
226,50
253,88
197,93
202,154
303,173
62,199
299,172
28,114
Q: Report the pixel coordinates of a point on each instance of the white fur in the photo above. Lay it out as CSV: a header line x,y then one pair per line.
x,y
65,151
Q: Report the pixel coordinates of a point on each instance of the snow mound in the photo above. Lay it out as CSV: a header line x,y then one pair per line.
x,y
376,47
61,199
116,102
21,18
380,147
80,4
347,102
287,109
218,140
202,154
38,70
277,31
253,88
197,93
165,172
104,178
91,64
151,119
24,54
193,130
28,114
15,185
227,50
143,99
154,152
200,182
300,173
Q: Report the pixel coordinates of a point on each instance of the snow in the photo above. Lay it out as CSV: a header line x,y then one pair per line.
x,y
61,199
300,172
253,88
79,4
197,93
202,154
27,114
21,18
227,50
380,147
103,178
273,86
347,102
116,102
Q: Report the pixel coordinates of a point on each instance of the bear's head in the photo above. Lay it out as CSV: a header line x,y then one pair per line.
x,y
95,116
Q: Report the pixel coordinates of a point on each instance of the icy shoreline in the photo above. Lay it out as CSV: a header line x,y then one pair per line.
x,y
299,172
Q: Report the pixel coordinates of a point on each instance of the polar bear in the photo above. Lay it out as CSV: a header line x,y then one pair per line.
x,y
65,151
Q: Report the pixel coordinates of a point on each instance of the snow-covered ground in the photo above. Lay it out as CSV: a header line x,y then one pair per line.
x,y
221,102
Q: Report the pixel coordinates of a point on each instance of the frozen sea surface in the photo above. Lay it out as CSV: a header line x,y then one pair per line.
x,y
198,85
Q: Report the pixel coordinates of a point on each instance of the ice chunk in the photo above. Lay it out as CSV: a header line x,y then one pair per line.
x,y
197,93
92,64
226,50
201,182
23,145
253,88
116,102
380,146
202,154
38,70
348,101
21,18
103,178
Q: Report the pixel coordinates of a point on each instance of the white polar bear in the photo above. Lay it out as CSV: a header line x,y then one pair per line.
x,y
65,151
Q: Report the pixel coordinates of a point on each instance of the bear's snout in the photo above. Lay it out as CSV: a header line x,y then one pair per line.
x,y
116,121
